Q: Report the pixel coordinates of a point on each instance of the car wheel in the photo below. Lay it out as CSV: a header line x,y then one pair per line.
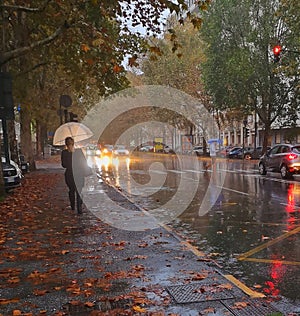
x,y
262,169
247,157
285,174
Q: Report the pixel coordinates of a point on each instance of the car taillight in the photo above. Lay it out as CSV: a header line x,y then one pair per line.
x,y
292,156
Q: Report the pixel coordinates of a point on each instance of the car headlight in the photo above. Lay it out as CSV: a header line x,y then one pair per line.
x,y
98,152
105,151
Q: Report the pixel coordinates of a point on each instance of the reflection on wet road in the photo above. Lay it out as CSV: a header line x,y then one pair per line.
x,y
249,224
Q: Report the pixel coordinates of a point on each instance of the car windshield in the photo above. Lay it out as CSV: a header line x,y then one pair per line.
x,y
296,149
109,146
120,147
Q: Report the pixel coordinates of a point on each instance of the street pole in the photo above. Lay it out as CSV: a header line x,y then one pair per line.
x,y
244,136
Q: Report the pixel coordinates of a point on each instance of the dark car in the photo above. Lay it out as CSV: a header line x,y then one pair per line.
x,y
242,153
12,174
283,158
235,152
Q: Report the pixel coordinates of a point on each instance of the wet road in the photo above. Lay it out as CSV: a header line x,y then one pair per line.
x,y
249,224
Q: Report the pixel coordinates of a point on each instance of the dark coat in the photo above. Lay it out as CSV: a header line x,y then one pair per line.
x,y
76,166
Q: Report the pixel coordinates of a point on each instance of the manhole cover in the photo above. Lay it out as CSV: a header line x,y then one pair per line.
x,y
246,307
199,292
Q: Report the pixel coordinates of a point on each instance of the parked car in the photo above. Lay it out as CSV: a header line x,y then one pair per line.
x,y
241,153
200,151
235,153
12,174
120,150
168,150
147,148
283,158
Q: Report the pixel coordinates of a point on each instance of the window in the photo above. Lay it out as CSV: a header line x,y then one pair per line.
x,y
277,138
275,150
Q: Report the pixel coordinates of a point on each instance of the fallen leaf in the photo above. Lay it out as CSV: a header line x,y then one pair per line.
x,y
139,309
40,292
240,305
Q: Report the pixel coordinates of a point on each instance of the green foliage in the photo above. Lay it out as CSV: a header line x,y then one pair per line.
x,y
239,71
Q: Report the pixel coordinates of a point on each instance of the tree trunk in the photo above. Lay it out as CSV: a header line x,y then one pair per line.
x,y
13,145
266,137
41,137
26,141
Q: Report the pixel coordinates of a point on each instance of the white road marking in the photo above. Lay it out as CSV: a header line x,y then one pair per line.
x,y
239,192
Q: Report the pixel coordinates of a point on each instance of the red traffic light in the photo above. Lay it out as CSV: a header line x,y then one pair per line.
x,y
276,50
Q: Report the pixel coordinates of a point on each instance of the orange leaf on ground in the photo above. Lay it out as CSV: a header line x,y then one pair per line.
x,y
240,305
85,48
139,309
226,286
143,245
40,292
4,301
75,303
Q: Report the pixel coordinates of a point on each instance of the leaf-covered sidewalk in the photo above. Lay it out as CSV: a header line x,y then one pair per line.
x,y
54,262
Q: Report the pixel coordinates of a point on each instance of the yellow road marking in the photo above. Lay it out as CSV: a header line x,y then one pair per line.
x,y
229,277
193,249
269,243
295,263
243,287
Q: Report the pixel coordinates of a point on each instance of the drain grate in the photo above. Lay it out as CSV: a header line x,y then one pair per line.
x,y
199,292
245,307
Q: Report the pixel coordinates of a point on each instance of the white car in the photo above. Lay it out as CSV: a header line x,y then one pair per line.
x,y
12,174
120,150
147,148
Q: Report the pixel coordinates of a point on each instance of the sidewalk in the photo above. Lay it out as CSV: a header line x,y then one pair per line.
x,y
54,262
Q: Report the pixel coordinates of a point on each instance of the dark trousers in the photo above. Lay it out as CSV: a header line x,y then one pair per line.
x,y
74,194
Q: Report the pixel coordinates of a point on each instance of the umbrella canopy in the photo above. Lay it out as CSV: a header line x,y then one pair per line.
x,y
77,131
214,140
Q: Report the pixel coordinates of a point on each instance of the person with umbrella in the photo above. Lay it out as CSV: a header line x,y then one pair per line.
x,y
73,160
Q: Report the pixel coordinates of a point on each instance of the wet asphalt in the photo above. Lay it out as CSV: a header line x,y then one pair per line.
x,y
55,262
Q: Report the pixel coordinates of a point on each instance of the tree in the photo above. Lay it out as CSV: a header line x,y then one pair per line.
x,y
85,39
239,71
177,68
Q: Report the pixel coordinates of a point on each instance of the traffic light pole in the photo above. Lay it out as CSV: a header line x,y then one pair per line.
x,y
244,136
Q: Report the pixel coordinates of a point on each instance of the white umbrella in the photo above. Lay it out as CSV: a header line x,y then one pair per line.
x,y
77,131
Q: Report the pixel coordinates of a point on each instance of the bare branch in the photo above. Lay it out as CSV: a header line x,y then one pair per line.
x,y
7,56
24,9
